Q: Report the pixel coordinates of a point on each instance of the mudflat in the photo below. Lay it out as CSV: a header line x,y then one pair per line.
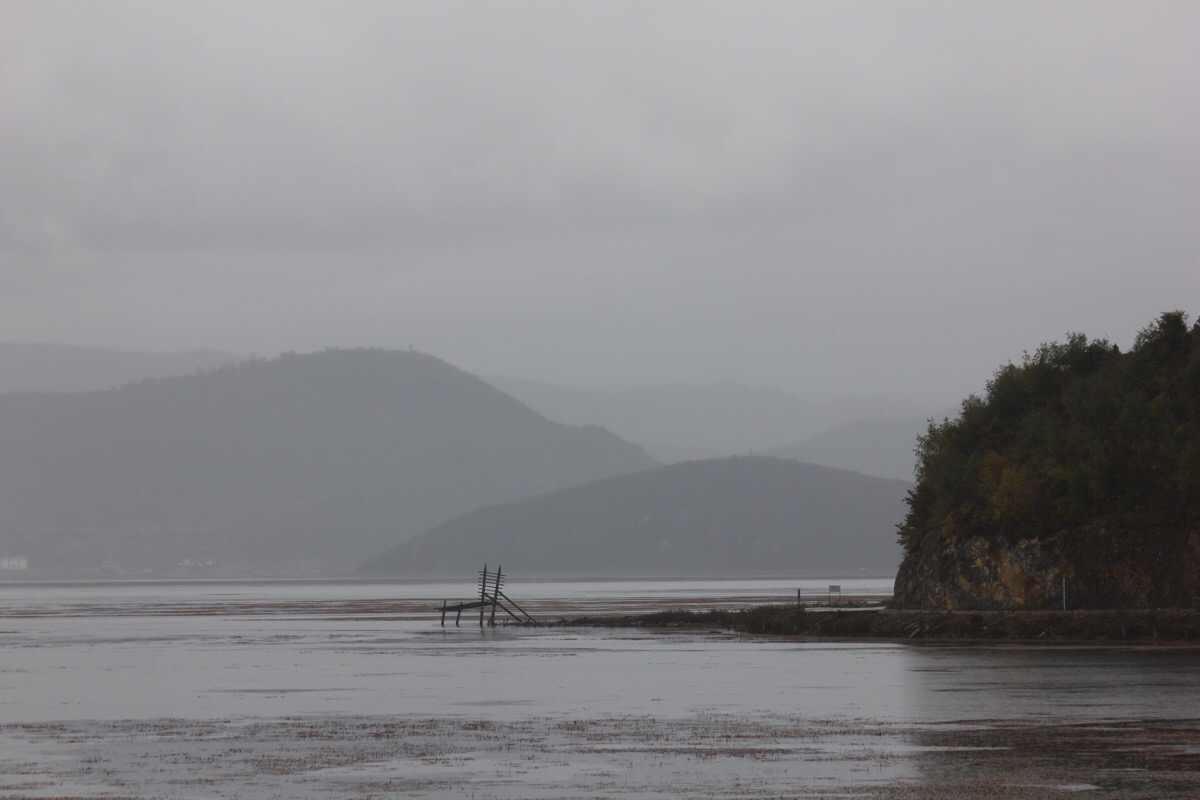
x,y
625,756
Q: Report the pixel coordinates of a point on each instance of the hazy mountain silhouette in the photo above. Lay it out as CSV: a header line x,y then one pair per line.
x,y
681,422
62,368
882,447
299,464
731,516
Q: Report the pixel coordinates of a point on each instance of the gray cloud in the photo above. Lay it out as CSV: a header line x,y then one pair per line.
x,y
835,198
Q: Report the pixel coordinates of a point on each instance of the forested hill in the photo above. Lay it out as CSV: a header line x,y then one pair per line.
x,y
731,516
1081,463
298,465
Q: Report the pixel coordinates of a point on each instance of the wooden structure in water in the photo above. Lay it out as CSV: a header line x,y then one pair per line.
x,y
492,596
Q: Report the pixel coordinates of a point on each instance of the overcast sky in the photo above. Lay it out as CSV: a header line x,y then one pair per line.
x,y
834,198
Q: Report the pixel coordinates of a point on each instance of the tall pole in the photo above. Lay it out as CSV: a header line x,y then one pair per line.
x,y
482,594
495,596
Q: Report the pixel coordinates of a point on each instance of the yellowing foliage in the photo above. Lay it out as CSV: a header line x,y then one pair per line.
x,y
1078,433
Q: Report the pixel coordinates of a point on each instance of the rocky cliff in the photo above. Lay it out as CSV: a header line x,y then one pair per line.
x,y
1100,568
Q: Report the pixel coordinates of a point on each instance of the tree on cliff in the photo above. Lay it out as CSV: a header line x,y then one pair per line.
x,y
1080,440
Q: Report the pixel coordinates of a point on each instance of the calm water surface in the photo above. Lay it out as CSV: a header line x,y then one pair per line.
x,y
316,691
124,651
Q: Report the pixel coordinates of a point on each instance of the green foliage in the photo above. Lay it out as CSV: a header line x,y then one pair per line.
x,y
1079,433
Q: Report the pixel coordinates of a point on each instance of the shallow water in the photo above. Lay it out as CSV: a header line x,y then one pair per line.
x,y
132,673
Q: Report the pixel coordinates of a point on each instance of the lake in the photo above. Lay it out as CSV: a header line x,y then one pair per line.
x,y
354,689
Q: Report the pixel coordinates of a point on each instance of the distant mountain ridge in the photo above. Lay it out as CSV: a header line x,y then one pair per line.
x,y
732,516
883,447
304,464
66,368
680,422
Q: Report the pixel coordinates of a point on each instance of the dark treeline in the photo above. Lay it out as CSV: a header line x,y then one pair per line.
x,y
1078,434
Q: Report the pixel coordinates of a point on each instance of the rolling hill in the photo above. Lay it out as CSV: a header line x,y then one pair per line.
x,y
730,516
304,464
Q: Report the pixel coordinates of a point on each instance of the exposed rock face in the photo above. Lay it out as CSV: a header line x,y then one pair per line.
x,y
1151,569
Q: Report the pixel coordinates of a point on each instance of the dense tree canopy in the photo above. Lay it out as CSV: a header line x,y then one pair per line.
x,y
1078,433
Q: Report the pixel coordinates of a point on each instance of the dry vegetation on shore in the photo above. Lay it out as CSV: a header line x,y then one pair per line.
x,y
1158,625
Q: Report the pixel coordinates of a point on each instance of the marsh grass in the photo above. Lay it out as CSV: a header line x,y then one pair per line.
x,y
1164,625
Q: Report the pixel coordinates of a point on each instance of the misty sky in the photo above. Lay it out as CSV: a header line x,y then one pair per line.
x,y
834,198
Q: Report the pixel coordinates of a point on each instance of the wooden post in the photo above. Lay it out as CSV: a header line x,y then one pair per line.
x,y
488,596
495,596
482,594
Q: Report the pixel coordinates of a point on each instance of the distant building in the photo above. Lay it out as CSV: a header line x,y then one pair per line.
x,y
17,562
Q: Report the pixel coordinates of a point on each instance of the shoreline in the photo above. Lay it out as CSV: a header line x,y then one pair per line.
x,y
1161,626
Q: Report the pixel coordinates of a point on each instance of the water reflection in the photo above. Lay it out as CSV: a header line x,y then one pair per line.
x,y
1060,684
